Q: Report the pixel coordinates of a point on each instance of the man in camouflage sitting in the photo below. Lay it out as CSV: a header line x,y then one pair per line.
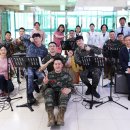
x,y
88,72
57,91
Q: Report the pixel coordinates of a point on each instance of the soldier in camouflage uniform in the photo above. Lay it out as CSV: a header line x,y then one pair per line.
x,y
8,42
48,60
57,91
110,44
91,72
20,47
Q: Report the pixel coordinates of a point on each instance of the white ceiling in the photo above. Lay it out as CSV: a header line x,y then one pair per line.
x,y
46,4
115,3
55,5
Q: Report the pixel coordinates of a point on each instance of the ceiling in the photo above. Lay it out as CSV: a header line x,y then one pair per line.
x,y
55,5
59,5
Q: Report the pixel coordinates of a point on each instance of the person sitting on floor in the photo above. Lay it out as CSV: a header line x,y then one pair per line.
x,y
57,91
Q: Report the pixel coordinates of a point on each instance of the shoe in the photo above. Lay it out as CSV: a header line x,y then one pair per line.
x,y
31,100
129,97
36,87
88,92
95,94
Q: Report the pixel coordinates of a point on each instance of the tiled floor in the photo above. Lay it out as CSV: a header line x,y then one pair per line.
x,y
109,116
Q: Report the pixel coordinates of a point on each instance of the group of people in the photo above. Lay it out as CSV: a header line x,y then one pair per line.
x,y
57,83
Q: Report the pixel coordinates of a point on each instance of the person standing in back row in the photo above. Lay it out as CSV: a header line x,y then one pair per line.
x,y
123,28
37,29
58,37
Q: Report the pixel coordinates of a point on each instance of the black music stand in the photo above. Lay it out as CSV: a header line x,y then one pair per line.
x,y
114,53
97,62
8,98
26,62
17,73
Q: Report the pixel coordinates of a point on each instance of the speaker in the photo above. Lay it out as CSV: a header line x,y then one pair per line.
x,y
121,85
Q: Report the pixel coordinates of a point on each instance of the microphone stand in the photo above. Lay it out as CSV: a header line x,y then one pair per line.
x,y
110,98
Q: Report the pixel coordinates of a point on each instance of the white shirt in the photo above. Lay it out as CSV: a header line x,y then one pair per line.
x,y
93,38
126,30
103,37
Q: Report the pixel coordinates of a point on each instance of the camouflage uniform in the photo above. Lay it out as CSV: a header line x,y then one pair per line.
x,y
109,67
52,91
48,57
10,47
20,47
88,72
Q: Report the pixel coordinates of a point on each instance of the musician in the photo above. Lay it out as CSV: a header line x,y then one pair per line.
x,y
93,72
20,47
35,49
58,86
72,38
4,77
8,42
124,57
120,37
48,60
107,53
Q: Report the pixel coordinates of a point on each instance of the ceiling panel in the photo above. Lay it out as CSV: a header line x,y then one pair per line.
x,y
115,3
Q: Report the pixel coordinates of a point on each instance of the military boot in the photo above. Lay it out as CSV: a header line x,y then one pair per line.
x,y
60,116
51,117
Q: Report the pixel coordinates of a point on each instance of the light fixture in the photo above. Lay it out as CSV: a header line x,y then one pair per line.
x,y
28,3
21,7
62,7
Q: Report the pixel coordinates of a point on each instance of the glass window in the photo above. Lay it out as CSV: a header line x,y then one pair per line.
x,y
72,22
24,20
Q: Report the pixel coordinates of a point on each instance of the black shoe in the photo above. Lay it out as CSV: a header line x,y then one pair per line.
x,y
36,87
129,97
88,92
31,99
95,94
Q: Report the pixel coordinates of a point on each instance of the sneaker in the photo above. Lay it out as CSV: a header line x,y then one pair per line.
x,y
36,87
88,92
95,94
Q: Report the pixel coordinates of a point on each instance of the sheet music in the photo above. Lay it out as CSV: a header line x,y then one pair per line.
x,y
40,61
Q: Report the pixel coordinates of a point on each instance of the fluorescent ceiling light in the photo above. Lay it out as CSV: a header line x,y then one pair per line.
x,y
29,3
21,7
88,8
62,7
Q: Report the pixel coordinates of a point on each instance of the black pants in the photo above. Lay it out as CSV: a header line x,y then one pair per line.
x,y
3,83
94,73
128,81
